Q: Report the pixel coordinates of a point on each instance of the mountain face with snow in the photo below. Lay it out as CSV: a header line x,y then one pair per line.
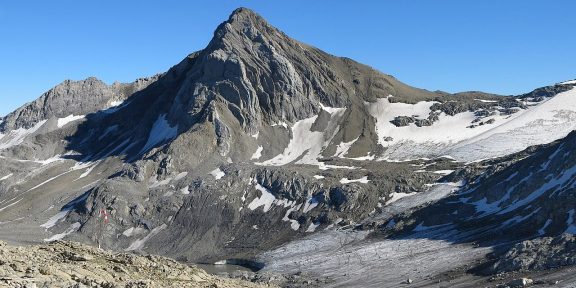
x,y
259,145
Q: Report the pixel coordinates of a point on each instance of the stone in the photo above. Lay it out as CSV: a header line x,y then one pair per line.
x,y
522,282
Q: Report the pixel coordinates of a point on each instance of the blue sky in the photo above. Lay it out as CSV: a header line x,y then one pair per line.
x,y
505,47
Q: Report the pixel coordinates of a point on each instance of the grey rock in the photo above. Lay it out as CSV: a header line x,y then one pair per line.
x,y
522,282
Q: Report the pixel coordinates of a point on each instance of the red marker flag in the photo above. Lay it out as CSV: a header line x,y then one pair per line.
x,y
104,214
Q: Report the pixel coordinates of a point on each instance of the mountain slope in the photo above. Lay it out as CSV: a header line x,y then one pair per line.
x,y
258,140
529,197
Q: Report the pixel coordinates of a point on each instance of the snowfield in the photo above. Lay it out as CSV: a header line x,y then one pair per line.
x,y
550,120
350,260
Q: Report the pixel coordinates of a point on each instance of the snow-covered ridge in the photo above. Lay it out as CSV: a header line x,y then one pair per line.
x,y
543,123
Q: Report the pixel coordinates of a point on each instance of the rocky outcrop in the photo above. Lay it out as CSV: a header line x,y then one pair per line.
x,y
538,254
67,264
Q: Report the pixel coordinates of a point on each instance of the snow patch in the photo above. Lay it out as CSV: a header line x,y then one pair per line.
x,y
258,153
570,223
6,177
293,223
312,227
486,101
73,228
139,244
568,82
323,166
363,180
444,172
108,131
115,103
282,123
16,137
63,212
266,199
133,231
217,173
54,219
342,148
185,190
161,131
397,196
310,204
87,172
70,118
180,176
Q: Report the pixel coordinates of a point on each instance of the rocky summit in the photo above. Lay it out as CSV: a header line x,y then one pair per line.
x,y
309,169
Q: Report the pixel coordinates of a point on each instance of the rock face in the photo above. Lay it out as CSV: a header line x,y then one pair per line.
x,y
538,254
66,264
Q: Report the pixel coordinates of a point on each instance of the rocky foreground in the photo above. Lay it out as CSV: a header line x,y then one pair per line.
x,y
68,264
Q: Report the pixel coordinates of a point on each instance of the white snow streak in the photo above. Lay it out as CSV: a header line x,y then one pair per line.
x,y
6,177
16,137
342,148
139,244
70,118
258,153
161,131
73,228
363,180
568,82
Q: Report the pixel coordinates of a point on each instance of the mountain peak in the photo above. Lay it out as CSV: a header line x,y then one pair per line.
x,y
245,15
243,12
243,22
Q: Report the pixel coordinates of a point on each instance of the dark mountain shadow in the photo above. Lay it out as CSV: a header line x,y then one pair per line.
x,y
505,203
123,131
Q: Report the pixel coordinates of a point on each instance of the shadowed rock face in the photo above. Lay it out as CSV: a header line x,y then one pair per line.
x,y
259,139
525,195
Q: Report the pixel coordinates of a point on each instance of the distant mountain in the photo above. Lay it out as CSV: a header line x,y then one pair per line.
x,y
259,140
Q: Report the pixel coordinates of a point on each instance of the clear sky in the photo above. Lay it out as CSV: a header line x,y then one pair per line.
x,y
499,46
